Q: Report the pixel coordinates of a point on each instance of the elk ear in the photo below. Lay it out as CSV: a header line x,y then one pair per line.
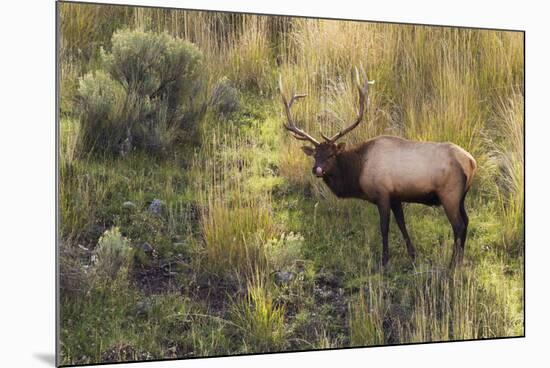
x,y
308,150
341,146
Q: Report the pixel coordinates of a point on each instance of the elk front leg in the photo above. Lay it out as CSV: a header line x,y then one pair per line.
x,y
397,209
384,212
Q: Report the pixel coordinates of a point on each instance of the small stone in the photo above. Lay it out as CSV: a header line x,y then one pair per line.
x,y
177,238
283,277
327,294
146,356
143,307
156,207
171,352
145,247
129,205
329,279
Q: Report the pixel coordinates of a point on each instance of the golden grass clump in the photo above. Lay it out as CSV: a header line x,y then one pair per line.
x,y
462,305
235,237
251,57
366,316
260,318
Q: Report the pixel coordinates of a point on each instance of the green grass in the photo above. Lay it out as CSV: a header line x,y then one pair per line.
x,y
241,207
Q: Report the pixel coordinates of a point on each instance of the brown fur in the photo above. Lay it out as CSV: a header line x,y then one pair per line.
x,y
389,170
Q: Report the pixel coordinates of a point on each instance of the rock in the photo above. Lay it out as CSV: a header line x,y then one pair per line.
x,y
119,353
171,353
323,293
125,147
143,307
128,205
156,207
329,279
169,269
146,356
177,238
93,233
145,247
202,281
283,277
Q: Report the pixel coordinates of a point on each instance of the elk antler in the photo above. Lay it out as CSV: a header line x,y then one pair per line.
x,y
291,126
363,97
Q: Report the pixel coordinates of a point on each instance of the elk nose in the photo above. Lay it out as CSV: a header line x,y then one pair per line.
x,y
318,171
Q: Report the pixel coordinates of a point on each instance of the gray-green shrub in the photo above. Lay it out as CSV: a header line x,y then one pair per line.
x,y
113,256
145,93
225,97
100,98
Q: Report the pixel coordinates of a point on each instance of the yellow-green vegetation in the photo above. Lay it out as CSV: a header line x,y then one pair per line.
x,y
191,224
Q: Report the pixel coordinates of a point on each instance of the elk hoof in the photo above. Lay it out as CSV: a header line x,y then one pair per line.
x,y
456,260
411,252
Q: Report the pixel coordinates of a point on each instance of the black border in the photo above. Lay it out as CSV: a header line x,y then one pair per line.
x,y
57,174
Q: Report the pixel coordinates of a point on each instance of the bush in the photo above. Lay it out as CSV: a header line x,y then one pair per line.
x,y
224,97
112,256
144,94
73,278
99,97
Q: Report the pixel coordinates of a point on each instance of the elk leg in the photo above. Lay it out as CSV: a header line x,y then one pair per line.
x,y
466,221
452,210
397,209
384,212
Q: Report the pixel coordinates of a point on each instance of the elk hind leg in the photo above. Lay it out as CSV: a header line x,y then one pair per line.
x,y
466,221
452,206
397,209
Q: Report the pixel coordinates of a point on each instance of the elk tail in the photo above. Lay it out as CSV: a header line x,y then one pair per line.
x,y
469,166
473,168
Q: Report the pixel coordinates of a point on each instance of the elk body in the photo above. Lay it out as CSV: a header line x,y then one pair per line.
x,y
388,171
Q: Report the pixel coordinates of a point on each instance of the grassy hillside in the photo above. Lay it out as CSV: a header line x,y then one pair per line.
x,y
223,242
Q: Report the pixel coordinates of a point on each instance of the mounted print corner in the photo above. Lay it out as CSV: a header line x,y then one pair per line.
x,y
234,183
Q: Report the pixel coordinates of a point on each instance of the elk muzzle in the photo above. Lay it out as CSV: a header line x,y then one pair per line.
x,y
318,171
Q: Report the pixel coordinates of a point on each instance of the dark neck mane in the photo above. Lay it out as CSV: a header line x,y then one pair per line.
x,y
343,180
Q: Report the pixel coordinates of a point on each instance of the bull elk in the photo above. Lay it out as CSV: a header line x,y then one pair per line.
x,y
388,171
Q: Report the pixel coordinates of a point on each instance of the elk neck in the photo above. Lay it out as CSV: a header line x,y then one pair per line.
x,y
343,179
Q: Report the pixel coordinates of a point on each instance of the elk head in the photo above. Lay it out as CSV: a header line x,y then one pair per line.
x,y
325,152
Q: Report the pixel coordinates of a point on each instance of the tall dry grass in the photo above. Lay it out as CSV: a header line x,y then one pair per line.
x,y
236,225
260,318
509,149
235,237
435,84
366,316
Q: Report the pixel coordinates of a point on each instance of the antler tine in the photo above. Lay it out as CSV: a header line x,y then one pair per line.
x,y
294,98
363,97
298,137
291,126
326,138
